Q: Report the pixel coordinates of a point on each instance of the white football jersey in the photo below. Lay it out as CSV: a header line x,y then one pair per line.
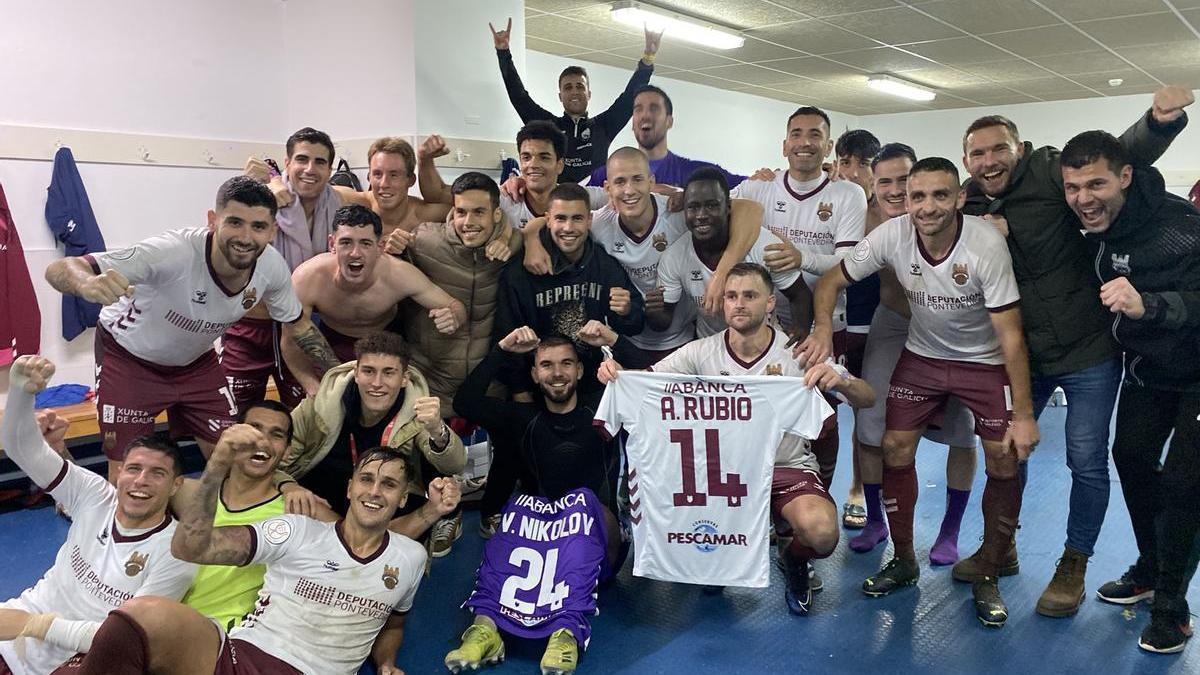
x,y
521,212
640,256
700,457
97,568
818,216
681,273
950,298
321,606
179,307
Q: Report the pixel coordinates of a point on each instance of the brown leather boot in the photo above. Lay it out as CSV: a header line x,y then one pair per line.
x,y
972,569
1065,592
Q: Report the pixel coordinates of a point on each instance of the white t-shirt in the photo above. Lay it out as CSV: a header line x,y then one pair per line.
x,y
714,356
640,257
818,216
520,212
178,306
700,468
97,568
681,272
321,606
950,298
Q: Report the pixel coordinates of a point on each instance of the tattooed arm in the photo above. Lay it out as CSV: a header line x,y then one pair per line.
x,y
196,540
304,334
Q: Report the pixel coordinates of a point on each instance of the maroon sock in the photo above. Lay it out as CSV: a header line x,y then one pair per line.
x,y
825,448
119,648
899,501
1001,509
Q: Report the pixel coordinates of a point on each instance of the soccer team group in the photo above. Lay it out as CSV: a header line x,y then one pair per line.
x,y
394,326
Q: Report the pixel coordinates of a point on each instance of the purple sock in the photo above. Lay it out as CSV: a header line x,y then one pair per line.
x,y
871,495
945,549
876,530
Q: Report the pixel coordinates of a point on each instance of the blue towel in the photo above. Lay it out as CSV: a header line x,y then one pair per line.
x,y
69,214
62,395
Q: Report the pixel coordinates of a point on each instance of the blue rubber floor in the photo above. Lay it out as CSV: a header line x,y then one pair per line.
x,y
654,627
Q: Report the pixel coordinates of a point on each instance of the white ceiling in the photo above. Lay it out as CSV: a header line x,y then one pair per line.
x,y
972,52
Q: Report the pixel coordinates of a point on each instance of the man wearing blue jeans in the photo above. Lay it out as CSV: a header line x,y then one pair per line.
x,y
1020,190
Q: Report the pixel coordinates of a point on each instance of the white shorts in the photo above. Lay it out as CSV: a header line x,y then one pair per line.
x,y
885,341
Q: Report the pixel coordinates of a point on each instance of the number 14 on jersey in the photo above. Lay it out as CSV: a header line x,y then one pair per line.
x,y
727,485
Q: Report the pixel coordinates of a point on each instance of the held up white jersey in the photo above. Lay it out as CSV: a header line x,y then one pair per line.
x,y
818,216
640,257
950,298
321,606
97,568
179,307
700,461
683,276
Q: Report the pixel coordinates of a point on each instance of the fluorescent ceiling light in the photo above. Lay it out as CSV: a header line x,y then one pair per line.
x,y
675,25
897,87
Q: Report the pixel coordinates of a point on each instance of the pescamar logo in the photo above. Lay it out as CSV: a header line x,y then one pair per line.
x,y
706,537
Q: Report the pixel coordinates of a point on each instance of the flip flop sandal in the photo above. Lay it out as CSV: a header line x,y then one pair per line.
x,y
854,516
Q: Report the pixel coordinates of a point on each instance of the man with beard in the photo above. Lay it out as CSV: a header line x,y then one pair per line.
x,y
560,451
118,545
885,342
540,156
636,227
333,594
750,346
1067,328
965,342
653,116
355,289
250,348
588,138
166,299
585,283
1146,242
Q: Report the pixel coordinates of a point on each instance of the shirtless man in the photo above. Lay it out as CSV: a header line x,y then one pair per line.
x,y
355,289
391,166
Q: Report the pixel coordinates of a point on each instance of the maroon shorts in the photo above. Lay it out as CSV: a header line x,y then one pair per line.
x,y
131,392
789,483
342,344
855,346
921,386
249,355
239,657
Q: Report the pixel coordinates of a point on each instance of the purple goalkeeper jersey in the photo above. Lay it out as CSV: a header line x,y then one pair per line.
x,y
540,570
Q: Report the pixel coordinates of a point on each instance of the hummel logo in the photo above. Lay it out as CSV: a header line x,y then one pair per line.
x,y
915,269
331,565
697,275
200,297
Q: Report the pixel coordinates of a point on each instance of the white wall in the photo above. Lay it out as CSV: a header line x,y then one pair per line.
x,y
1050,123
458,85
130,66
738,131
348,69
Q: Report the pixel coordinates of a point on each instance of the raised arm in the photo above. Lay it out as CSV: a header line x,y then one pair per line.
x,y
433,189
196,540
1153,132
521,101
617,116
19,432
1023,429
